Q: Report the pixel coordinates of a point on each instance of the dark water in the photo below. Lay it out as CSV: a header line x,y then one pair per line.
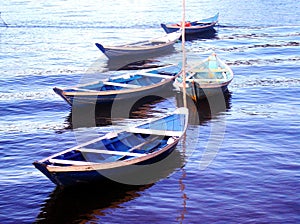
x,y
239,163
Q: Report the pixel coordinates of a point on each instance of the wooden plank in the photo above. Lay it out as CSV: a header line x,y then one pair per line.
x,y
129,153
79,88
84,90
82,163
210,70
99,83
70,162
100,151
207,80
154,132
138,147
121,84
157,75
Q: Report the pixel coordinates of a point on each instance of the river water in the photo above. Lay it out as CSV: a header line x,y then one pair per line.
x,y
240,159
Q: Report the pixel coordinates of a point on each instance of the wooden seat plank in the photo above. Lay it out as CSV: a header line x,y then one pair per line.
x,y
70,162
121,84
100,151
154,132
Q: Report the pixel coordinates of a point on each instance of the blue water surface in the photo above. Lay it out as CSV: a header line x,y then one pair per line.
x,y
238,163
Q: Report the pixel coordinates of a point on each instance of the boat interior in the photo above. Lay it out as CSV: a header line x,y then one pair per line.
x,y
132,143
128,81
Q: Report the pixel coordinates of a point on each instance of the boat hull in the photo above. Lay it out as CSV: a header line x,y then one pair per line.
x,y
112,53
145,171
193,28
145,49
132,156
189,30
88,99
197,92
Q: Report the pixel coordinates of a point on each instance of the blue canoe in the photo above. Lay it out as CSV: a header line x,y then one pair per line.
x,y
130,85
193,28
207,78
120,156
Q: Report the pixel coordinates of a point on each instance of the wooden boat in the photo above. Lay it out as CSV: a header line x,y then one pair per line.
x,y
193,28
212,76
130,85
117,155
147,47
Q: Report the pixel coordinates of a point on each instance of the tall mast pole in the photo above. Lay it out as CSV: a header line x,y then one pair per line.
x,y
183,53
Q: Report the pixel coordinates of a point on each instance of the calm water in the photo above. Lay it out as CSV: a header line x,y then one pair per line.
x,y
239,163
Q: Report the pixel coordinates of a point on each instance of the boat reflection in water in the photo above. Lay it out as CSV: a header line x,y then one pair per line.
x,y
206,109
89,203
210,34
84,203
137,62
104,115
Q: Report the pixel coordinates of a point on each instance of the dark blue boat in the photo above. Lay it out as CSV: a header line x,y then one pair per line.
x,y
193,28
118,156
130,85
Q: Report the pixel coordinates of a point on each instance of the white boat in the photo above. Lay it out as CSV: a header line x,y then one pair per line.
x,y
153,46
212,76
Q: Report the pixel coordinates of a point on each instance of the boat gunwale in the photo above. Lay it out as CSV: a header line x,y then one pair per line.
x,y
193,27
133,48
213,85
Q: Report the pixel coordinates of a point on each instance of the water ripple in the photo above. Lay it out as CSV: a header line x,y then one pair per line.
x,y
263,61
15,96
254,177
30,126
243,48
